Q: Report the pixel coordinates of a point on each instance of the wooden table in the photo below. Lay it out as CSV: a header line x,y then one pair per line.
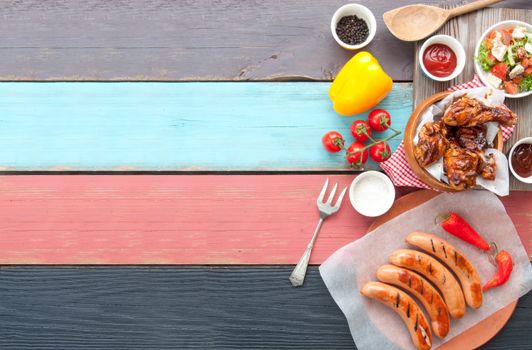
x,y
167,167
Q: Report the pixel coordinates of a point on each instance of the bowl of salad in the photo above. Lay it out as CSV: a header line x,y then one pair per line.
x,y
503,58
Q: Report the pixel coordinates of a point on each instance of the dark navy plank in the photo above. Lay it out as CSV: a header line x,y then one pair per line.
x,y
183,308
186,40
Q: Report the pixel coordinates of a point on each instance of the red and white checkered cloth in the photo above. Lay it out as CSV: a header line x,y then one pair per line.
x,y
397,168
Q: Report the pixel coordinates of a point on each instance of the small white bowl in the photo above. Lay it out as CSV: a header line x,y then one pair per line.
x,y
372,193
454,45
527,180
484,75
361,12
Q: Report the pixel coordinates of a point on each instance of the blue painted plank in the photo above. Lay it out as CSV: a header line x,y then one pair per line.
x,y
175,126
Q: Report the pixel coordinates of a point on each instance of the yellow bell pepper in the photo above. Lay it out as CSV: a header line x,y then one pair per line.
x,y
360,85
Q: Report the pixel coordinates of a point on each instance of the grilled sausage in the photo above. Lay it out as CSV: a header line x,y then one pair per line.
x,y
435,272
421,289
457,262
406,307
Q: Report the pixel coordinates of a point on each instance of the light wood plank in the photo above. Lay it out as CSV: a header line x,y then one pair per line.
x,y
468,29
176,127
183,308
181,219
186,40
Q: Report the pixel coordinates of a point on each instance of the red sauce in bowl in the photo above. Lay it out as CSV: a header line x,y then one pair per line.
x,y
439,60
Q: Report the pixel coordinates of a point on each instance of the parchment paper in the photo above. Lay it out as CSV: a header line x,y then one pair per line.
x,y
375,326
490,97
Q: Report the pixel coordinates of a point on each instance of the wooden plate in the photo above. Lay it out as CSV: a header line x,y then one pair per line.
x,y
483,331
410,132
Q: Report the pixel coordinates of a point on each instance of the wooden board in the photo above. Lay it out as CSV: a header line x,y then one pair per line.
x,y
483,331
49,308
176,127
181,219
468,29
185,40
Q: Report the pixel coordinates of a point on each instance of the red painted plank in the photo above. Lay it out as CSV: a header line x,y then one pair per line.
x,y
179,219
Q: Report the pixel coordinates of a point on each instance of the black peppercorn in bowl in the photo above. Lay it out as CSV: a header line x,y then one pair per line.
x,y
353,26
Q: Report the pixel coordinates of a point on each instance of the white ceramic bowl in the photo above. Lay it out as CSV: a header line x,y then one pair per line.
x,y
483,75
527,180
454,45
361,12
372,193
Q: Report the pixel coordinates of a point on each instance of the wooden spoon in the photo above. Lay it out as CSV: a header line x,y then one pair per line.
x,y
415,22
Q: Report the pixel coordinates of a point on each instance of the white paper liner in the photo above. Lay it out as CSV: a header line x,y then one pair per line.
x,y
490,97
373,325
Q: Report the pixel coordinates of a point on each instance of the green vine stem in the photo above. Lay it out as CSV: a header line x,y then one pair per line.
x,y
395,133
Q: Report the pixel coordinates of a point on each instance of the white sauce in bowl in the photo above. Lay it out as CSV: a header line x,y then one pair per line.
x,y
372,193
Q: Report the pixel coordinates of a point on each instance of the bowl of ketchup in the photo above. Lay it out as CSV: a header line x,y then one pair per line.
x,y
520,159
442,57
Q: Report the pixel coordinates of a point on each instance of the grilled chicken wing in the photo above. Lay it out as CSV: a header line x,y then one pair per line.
x,y
473,138
469,112
487,167
431,144
460,165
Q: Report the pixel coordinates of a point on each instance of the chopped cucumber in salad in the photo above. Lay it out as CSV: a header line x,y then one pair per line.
x,y
507,55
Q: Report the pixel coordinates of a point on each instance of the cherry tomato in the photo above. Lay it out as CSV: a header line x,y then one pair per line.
x,y
332,141
355,156
499,70
510,87
525,62
380,152
492,58
528,71
361,130
379,120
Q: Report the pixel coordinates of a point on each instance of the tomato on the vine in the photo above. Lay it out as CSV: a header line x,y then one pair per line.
x,y
355,155
379,119
380,151
333,141
361,130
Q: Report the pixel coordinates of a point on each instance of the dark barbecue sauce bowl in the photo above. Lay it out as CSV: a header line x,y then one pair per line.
x,y
520,160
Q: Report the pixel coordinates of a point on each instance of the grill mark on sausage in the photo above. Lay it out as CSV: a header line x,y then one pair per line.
x,y
439,311
422,287
430,268
444,251
408,311
417,322
397,300
462,263
444,279
410,281
431,298
432,244
455,258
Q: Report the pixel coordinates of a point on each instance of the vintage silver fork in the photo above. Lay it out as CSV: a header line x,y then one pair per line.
x,y
326,209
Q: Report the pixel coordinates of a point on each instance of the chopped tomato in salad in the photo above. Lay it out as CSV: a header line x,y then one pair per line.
x,y
499,70
506,54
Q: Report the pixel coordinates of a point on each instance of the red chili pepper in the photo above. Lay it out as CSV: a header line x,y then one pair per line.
x,y
457,226
505,265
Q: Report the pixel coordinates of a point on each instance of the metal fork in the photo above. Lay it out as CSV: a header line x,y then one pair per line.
x,y
326,209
